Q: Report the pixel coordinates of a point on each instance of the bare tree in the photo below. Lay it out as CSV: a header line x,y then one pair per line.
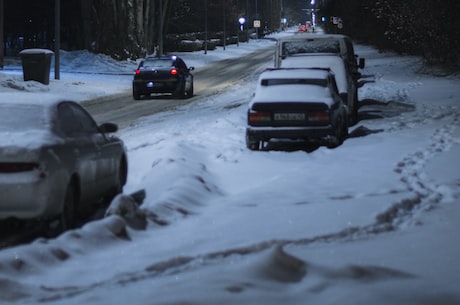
x,y
121,28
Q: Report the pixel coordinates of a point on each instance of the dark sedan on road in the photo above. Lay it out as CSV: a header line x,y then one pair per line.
x,y
163,74
55,161
296,104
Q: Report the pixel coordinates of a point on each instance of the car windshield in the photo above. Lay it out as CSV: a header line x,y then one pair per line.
x,y
294,81
311,46
157,63
22,117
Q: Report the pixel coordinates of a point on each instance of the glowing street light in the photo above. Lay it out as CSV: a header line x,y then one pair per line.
x,y
241,21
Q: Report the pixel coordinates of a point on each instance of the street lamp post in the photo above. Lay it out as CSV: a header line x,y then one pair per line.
x,y
257,17
2,55
206,27
225,34
160,34
238,26
57,38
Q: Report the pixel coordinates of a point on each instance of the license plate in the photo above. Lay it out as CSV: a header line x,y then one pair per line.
x,y
289,116
150,85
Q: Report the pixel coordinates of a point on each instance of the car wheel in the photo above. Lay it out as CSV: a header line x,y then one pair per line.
x,y
354,114
136,94
339,136
68,215
119,183
252,143
190,91
180,90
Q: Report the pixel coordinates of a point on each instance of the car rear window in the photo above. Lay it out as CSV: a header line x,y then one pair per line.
x,y
311,46
157,63
293,81
22,117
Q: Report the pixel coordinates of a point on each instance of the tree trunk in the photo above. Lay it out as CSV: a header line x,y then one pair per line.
x,y
121,28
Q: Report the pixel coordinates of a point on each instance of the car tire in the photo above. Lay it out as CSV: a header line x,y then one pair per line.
x,y
119,183
252,143
69,207
180,90
354,114
136,94
190,91
341,130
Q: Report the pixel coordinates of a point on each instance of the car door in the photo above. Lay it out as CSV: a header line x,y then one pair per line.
x,y
107,152
80,153
86,149
185,73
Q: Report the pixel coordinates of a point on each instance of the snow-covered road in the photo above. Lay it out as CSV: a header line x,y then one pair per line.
x,y
374,221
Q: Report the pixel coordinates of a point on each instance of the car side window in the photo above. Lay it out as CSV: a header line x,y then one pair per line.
x,y
350,51
333,85
181,64
86,121
73,120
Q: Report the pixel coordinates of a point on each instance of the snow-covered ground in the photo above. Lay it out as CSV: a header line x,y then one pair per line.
x,y
374,221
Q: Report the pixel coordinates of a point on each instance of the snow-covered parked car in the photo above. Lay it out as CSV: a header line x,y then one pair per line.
x,y
344,77
340,45
296,104
55,160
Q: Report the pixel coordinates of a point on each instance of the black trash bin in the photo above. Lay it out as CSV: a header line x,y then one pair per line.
x,y
36,64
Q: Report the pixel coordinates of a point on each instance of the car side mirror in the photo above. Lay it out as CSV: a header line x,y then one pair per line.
x,y
362,63
191,68
364,81
108,128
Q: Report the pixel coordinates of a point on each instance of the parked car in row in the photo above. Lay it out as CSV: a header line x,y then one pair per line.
x,y
326,51
55,161
163,74
296,104
343,77
340,45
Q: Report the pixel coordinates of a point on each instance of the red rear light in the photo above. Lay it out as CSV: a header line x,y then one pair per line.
x,y
17,167
320,116
138,72
173,71
257,117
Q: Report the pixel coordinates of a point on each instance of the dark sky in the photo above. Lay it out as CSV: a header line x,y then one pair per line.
x,y
25,15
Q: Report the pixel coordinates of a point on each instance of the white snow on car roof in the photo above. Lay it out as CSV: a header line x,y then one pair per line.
x,y
310,37
25,120
334,62
294,72
292,93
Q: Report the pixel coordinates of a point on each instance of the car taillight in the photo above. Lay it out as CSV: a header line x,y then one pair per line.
x,y
257,117
17,167
173,71
319,116
138,72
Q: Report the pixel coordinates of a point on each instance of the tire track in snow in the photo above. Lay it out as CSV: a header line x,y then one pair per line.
x,y
426,194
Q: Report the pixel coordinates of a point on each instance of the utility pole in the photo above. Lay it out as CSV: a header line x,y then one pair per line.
x,y
225,34
57,38
160,35
257,17
206,27
2,46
